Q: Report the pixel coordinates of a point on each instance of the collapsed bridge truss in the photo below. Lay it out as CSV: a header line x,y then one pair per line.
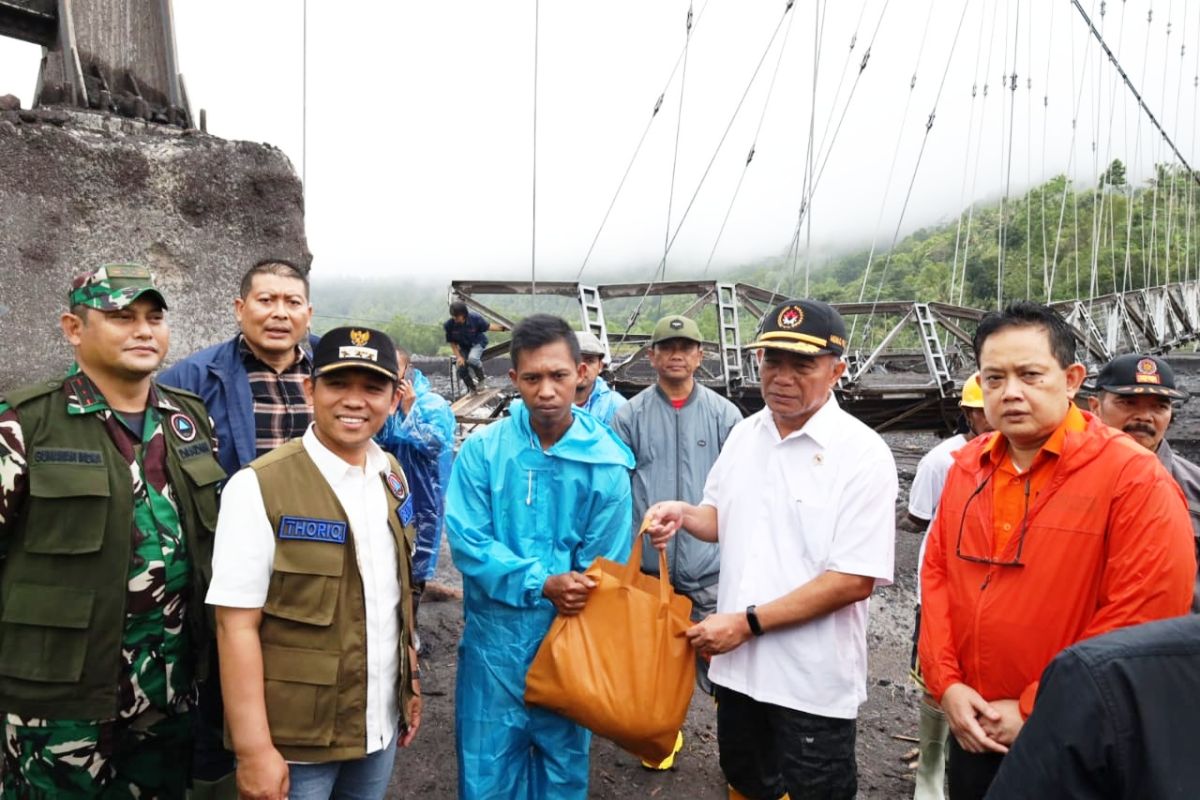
x,y
906,361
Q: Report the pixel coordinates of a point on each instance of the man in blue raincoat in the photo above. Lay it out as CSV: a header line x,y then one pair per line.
x,y
421,437
533,499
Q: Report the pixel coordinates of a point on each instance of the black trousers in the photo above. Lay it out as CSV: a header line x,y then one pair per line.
x,y
768,750
968,775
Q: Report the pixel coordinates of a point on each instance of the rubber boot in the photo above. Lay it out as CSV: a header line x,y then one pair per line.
x,y
932,731
734,794
223,789
669,761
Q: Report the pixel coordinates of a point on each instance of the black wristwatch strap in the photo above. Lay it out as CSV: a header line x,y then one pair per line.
x,y
752,620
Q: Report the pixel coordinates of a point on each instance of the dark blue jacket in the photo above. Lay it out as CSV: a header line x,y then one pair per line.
x,y
218,375
467,334
1115,719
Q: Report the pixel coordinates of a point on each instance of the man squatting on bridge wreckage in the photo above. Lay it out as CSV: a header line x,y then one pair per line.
x,y
253,386
108,499
593,394
676,428
311,583
420,434
533,499
1052,529
466,332
1134,395
932,730
802,500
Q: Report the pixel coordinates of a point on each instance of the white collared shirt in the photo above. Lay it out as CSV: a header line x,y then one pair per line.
x,y
821,499
244,553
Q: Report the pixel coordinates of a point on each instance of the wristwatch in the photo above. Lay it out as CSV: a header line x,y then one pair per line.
x,y
752,621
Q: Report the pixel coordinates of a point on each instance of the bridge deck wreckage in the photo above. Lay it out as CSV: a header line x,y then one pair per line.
x,y
906,361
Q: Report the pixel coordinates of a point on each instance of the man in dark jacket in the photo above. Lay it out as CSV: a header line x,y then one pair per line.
x,y
1135,395
253,383
1115,718
676,429
466,333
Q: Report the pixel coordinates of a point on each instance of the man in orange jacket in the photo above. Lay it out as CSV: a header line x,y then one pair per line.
x,y
1054,529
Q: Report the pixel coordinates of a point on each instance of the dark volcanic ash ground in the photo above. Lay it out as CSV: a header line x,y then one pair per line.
x,y
887,722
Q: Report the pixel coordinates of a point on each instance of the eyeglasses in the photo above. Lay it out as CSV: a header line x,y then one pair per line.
x,y
990,561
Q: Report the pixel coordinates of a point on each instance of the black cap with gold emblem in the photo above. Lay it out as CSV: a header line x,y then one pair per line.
x,y
355,348
1138,374
810,327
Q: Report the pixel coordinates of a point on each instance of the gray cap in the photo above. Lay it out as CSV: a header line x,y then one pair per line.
x,y
589,345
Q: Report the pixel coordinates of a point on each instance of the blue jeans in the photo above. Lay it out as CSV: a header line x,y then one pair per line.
x,y
472,363
359,779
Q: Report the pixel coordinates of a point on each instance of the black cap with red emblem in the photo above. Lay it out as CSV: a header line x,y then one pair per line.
x,y
1138,374
809,327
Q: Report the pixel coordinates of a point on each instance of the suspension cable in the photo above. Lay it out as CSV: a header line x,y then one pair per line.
x,y
629,167
675,155
753,145
533,194
704,176
1133,89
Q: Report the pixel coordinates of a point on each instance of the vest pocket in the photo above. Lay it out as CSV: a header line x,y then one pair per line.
x,y
305,580
74,522
203,471
301,694
44,632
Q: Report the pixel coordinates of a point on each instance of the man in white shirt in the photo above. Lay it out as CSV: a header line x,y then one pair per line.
x,y
805,497
312,587
933,730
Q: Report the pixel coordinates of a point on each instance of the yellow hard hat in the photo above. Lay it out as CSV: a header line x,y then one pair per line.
x,y
972,393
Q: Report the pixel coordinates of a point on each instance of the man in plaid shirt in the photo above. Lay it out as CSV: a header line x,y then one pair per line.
x,y
253,385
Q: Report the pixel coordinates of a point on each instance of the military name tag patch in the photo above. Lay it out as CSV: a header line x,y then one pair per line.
x,y
313,530
405,512
183,427
196,449
60,456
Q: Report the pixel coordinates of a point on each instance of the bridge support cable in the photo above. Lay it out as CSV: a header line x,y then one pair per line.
x,y
633,317
1045,121
1077,92
629,167
966,169
805,203
1137,95
1028,154
533,192
920,154
966,251
887,186
675,153
818,30
1012,114
1170,233
753,144
1100,196
1188,274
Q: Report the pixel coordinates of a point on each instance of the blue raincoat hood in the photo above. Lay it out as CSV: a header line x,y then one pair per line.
x,y
588,440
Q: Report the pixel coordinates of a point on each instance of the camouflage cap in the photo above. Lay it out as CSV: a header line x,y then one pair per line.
x,y
113,287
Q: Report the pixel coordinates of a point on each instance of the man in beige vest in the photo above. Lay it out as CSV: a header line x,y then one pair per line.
x,y
312,584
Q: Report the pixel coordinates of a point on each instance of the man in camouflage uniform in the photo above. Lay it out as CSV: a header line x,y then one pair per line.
x,y
110,717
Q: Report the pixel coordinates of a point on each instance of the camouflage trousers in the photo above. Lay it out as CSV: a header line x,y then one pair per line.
x,y
146,757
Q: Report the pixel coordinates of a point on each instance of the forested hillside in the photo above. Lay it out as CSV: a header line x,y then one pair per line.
x,y
1055,242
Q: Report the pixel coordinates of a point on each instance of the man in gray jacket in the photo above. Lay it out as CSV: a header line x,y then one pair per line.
x,y
1134,395
676,429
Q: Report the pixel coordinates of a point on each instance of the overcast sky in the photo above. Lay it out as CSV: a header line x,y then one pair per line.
x,y
420,150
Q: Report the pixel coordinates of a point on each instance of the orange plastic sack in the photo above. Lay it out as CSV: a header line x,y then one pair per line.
x,y
622,667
